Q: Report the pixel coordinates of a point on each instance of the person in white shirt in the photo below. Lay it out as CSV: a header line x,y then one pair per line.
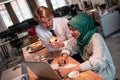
x,y
102,10
47,22
93,49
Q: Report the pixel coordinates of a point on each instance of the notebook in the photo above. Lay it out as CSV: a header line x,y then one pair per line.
x,y
43,70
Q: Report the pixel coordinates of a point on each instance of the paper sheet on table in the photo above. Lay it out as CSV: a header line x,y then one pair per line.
x,y
56,66
21,77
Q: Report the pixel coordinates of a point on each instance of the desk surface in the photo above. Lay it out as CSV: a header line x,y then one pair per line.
x,y
44,51
88,74
29,56
9,74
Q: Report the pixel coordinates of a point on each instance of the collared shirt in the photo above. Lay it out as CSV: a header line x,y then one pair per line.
x,y
62,31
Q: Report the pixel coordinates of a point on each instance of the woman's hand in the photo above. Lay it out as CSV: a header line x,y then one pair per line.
x,y
63,59
64,72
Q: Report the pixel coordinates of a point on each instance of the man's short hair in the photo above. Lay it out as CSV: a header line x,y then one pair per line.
x,y
42,12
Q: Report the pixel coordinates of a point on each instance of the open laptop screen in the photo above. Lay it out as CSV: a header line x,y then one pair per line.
x,y
43,70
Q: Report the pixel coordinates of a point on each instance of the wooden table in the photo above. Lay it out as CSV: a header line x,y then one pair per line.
x,y
29,56
72,61
44,51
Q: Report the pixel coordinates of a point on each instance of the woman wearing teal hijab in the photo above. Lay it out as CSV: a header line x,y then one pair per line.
x,y
93,48
85,25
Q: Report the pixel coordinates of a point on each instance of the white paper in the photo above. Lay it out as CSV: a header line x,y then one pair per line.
x,y
21,77
56,66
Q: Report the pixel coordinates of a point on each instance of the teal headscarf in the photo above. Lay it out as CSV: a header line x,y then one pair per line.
x,y
85,25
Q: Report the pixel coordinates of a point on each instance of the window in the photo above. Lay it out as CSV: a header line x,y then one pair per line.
x,y
55,3
58,3
41,3
21,9
5,16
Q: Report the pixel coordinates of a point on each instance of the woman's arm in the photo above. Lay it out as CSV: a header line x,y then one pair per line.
x,y
97,60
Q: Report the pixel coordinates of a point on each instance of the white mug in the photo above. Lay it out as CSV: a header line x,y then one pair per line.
x,y
73,74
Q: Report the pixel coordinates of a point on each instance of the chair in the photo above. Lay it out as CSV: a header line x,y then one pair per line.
x,y
32,35
33,39
32,31
15,42
3,62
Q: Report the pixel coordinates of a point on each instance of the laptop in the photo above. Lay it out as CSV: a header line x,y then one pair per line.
x,y
43,71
